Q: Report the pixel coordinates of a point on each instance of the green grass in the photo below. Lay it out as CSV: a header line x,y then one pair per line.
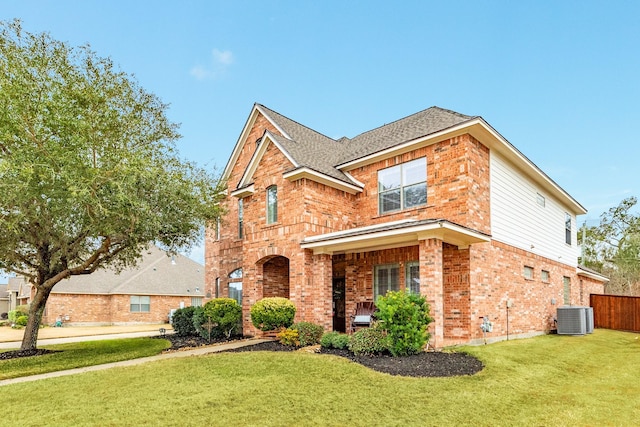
x,y
81,354
546,381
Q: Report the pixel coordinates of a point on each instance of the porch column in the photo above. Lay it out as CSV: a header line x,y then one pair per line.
x,y
318,298
431,286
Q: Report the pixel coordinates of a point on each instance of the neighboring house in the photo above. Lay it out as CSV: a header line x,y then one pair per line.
x,y
4,300
437,203
145,294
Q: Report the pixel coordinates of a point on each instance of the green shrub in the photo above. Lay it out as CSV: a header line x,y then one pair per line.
x,y
368,342
21,310
404,317
273,313
309,333
288,337
335,340
225,313
182,321
22,320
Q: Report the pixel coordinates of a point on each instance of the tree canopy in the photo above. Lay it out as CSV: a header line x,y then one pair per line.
x,y
613,247
89,172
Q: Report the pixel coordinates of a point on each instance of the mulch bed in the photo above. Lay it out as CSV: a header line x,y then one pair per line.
x,y
425,364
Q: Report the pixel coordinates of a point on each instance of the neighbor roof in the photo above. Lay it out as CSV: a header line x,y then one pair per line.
x,y
156,274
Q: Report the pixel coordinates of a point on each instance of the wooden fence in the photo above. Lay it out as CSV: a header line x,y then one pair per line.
x,y
616,312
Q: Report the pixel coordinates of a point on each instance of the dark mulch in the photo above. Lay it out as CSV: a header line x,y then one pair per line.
x,y
14,354
425,364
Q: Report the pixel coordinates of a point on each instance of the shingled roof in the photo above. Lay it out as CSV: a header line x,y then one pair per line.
x,y
157,274
313,150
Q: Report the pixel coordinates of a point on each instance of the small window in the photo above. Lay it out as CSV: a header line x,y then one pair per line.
x,y
196,301
235,291
540,200
217,287
403,186
386,278
240,219
272,204
544,276
566,282
412,277
567,228
140,304
528,272
217,237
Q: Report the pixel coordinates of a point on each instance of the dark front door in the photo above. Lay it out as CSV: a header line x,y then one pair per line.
x,y
338,305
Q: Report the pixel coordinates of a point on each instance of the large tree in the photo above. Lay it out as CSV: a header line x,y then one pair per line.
x,y
613,247
89,172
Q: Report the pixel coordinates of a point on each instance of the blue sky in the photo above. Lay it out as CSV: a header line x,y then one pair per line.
x,y
559,80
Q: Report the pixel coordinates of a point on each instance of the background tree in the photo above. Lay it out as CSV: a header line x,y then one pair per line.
x,y
89,173
613,247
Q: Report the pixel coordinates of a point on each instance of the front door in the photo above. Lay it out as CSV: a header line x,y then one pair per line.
x,y
338,305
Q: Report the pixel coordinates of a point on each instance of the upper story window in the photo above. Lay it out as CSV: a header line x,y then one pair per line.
x,y
402,186
240,218
218,228
567,228
272,204
540,200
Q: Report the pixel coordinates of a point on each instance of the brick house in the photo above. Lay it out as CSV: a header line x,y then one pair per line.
x,y
437,203
144,294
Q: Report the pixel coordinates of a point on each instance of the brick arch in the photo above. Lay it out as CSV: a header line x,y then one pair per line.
x,y
274,270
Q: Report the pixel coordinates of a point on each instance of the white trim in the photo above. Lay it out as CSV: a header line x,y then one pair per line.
x,y
406,236
266,115
591,275
267,138
330,181
244,191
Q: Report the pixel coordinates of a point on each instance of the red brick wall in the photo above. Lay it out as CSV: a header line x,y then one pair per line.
x,y
108,309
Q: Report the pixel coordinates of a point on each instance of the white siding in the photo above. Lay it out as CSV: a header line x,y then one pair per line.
x,y
518,220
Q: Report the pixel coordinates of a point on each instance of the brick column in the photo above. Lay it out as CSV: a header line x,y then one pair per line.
x,y
319,293
431,286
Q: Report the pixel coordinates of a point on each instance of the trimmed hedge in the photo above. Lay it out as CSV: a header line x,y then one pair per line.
x,y
272,313
225,313
308,333
182,321
369,342
335,340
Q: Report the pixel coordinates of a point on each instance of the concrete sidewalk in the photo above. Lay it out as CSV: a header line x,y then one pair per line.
x,y
170,355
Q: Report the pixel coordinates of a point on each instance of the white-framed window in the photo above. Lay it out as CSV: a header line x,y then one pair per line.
x,y
235,285
544,276
566,284
567,228
402,186
412,277
196,301
272,204
386,278
140,304
240,219
527,272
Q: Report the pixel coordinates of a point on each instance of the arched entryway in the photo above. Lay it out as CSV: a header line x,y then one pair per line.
x,y
275,277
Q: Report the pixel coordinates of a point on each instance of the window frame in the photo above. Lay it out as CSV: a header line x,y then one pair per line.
x,y
408,284
528,269
240,218
545,276
390,286
139,303
398,180
567,228
272,204
566,290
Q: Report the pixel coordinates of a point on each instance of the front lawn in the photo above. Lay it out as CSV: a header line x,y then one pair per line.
x,y
548,380
81,354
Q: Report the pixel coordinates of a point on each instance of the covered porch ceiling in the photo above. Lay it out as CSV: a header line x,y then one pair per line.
x,y
392,235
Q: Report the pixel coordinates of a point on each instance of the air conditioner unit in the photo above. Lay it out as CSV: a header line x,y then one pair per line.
x,y
588,311
572,321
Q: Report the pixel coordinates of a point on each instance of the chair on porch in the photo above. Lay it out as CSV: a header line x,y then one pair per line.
x,y
363,315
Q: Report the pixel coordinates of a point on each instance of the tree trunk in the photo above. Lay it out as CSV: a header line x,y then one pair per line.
x,y
36,310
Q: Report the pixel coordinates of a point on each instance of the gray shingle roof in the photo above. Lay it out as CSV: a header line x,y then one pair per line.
x,y
156,274
322,154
